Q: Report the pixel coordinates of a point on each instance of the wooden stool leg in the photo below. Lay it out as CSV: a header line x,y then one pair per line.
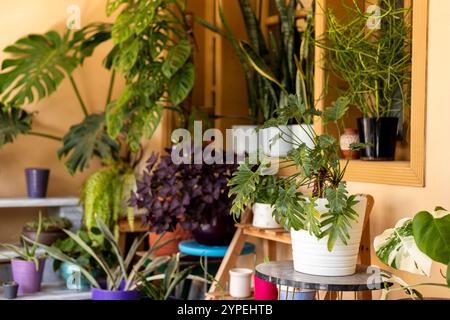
x,y
269,250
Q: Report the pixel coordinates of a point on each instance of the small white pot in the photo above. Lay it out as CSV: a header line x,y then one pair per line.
x,y
311,255
245,140
263,216
302,134
276,141
241,283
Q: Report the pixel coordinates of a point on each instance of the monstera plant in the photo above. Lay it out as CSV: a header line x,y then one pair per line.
x,y
414,244
151,50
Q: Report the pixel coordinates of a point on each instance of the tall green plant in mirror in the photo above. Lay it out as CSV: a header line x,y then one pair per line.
x,y
371,52
151,50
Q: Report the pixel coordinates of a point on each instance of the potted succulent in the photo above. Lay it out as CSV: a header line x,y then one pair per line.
x,y
52,229
28,267
374,60
121,275
190,195
413,245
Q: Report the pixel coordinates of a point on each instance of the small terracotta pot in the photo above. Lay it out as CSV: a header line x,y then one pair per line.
x,y
46,237
171,248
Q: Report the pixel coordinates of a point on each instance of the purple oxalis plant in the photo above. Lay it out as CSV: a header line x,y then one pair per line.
x,y
186,194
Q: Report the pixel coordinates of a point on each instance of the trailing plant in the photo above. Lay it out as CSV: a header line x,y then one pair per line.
x,y
375,62
186,194
105,195
414,243
276,54
49,224
318,169
28,250
121,271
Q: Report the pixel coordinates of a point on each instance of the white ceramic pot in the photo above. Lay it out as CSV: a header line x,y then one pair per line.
x,y
311,255
245,140
241,283
302,134
276,141
263,218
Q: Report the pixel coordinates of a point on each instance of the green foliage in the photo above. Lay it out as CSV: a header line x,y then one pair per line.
x,y
49,224
105,195
121,270
86,140
243,185
13,122
375,64
161,287
432,236
270,64
27,252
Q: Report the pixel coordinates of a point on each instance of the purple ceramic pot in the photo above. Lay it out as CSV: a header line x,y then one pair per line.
x,y
100,294
26,276
120,295
37,182
218,232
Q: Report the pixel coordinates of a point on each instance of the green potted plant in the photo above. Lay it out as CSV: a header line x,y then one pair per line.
x,y
413,245
28,266
326,222
374,59
276,55
121,274
51,229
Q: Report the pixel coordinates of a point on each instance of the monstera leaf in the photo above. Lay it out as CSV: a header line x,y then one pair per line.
x,y
12,123
432,235
37,67
181,84
176,58
397,248
85,141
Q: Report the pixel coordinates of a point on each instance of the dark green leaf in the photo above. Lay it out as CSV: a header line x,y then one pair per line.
x,y
181,84
85,141
337,111
13,122
176,58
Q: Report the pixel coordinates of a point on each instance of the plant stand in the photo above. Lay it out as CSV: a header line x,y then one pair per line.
x,y
366,279
270,239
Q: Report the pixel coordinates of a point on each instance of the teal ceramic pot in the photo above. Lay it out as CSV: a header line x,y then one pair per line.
x,y
73,277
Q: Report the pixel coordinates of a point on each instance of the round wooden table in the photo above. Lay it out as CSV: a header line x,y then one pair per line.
x,y
282,273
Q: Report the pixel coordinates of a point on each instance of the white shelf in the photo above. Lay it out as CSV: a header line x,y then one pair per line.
x,y
55,291
39,203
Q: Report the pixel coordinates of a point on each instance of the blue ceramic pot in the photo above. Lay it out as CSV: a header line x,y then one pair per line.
x,y
74,278
37,182
299,295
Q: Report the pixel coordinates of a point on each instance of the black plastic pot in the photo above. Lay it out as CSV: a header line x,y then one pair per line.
x,y
10,290
218,232
381,137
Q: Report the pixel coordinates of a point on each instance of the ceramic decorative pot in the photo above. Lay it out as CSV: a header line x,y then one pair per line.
x,y
297,294
74,278
349,137
27,276
241,283
46,237
37,182
311,255
10,290
263,218
171,247
264,290
100,294
276,141
302,134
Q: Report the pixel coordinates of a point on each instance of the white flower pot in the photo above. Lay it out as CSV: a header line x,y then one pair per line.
x,y
263,218
245,140
311,255
240,283
276,141
302,134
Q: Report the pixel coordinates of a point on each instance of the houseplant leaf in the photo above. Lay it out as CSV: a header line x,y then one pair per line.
x,y
337,110
86,140
37,67
432,236
181,84
13,122
176,58
397,248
